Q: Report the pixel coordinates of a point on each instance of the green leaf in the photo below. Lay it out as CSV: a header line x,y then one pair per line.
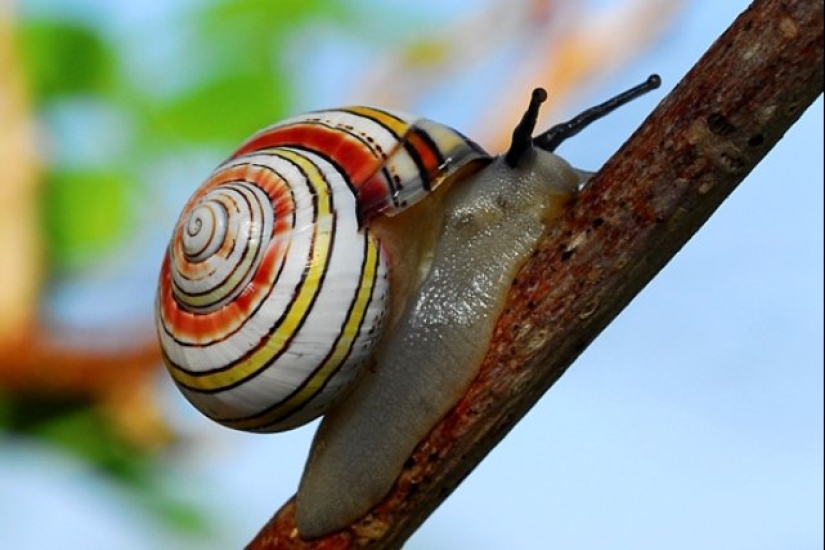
x,y
230,107
66,58
85,213
253,19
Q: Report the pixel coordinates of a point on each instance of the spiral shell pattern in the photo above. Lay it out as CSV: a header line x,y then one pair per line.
x,y
273,292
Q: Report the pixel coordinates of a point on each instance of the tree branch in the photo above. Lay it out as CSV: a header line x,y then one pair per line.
x,y
641,208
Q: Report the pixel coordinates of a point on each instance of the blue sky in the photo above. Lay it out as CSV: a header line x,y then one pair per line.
x,y
694,421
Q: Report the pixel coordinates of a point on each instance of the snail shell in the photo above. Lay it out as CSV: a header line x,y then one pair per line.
x,y
275,290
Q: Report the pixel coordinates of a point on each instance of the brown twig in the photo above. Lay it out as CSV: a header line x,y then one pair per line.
x,y
72,364
641,208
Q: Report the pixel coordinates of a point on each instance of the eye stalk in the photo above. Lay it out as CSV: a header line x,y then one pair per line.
x,y
550,140
555,136
523,132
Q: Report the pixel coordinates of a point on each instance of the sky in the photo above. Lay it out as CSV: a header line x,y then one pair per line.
x,y
694,421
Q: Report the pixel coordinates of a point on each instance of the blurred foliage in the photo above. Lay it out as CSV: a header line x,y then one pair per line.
x,y
74,227
72,425
65,58
240,47
79,430
68,60
110,109
225,74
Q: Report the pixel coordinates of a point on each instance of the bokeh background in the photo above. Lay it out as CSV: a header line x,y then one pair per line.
x,y
694,421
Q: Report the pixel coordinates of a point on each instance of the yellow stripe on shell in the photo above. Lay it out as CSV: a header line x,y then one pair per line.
x,y
298,308
334,360
396,125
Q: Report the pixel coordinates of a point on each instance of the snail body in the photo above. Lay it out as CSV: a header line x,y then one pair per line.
x,y
433,352
353,263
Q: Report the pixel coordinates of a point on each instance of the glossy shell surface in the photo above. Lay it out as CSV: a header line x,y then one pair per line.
x,y
273,293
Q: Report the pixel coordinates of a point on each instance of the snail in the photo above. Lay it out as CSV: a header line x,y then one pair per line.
x,y
353,262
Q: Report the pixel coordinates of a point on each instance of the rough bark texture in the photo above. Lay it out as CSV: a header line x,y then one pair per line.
x,y
641,208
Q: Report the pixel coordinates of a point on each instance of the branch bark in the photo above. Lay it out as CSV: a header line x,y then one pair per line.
x,y
639,210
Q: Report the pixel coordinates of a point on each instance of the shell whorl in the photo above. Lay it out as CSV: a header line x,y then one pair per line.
x,y
274,292
269,301
220,244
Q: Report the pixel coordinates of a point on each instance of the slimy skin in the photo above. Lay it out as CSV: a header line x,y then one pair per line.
x,y
492,223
